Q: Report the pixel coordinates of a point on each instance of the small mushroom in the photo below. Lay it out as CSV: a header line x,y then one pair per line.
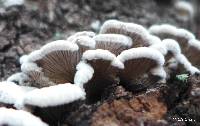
x,y
54,63
193,52
115,43
78,34
182,36
189,45
104,66
52,104
19,78
11,117
137,33
84,43
184,10
142,65
171,49
10,93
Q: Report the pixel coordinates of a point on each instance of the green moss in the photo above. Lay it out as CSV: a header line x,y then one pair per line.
x,y
182,77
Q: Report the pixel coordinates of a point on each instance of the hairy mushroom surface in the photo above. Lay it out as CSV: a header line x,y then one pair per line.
x,y
54,102
11,117
115,43
84,43
55,63
81,33
184,10
189,45
104,66
171,50
137,33
141,63
182,36
11,94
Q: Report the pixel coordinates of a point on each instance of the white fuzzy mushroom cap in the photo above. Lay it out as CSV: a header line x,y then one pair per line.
x,y
23,59
58,45
172,30
142,52
10,93
104,55
18,77
84,74
160,47
129,27
85,41
145,52
13,117
186,6
54,95
82,33
28,66
195,43
114,38
8,3
187,65
172,46
153,39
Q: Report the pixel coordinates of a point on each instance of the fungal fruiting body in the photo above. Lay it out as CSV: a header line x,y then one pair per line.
x,y
105,66
165,31
115,43
184,10
10,93
79,34
139,62
54,102
137,33
65,74
11,117
171,49
54,63
188,44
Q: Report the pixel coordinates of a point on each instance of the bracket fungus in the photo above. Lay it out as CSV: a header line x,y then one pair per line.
x,y
78,34
10,93
105,66
171,49
19,78
11,117
84,43
137,33
51,107
184,10
164,31
188,44
66,74
140,61
55,63
115,43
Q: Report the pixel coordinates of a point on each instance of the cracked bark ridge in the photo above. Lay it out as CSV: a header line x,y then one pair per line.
x,y
147,109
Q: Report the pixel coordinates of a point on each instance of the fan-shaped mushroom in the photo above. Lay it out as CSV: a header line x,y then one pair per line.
x,y
11,117
141,62
115,43
137,33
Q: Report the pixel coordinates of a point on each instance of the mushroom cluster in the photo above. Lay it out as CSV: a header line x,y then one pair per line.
x,y
63,74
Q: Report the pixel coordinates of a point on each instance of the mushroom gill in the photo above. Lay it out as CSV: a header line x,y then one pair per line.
x,y
137,33
105,67
115,43
52,104
142,65
55,63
